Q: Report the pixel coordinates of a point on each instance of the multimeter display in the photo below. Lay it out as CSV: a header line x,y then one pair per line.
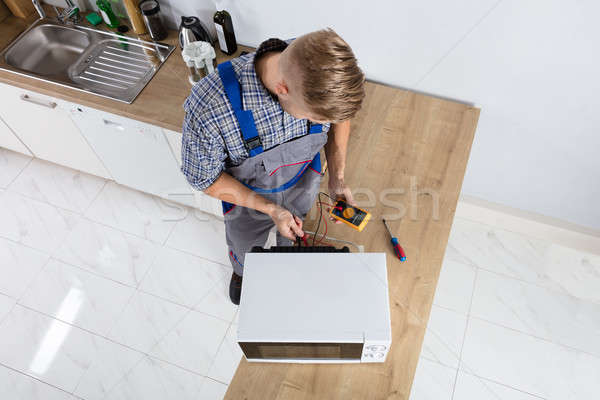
x,y
353,216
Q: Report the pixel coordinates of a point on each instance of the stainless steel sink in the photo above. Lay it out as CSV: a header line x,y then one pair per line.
x,y
91,60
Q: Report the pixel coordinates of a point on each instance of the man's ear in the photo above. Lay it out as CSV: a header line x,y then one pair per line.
x,y
281,88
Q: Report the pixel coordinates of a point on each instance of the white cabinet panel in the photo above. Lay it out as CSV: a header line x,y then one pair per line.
x,y
196,198
135,153
8,140
44,126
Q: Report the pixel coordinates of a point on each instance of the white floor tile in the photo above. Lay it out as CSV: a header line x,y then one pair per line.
x,y
18,266
203,235
217,302
6,304
132,211
60,186
470,387
529,364
193,343
145,321
108,252
34,223
525,258
17,386
98,301
153,379
112,363
574,272
432,381
455,286
541,312
11,165
212,390
181,277
43,347
228,357
444,336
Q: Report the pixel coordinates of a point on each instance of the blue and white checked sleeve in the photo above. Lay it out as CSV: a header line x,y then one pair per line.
x,y
203,152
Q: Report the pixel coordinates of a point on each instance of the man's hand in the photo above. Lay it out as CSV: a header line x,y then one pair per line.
x,y
339,190
287,224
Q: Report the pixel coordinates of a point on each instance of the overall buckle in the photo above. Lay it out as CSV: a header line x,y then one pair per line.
x,y
253,143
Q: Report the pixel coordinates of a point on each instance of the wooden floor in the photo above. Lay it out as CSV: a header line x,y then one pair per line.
x,y
407,157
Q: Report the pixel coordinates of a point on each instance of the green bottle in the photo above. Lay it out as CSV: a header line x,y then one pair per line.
x,y
107,13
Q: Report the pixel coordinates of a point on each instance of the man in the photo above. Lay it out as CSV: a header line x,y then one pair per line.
x,y
253,131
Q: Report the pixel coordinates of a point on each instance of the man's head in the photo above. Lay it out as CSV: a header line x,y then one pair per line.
x,y
320,78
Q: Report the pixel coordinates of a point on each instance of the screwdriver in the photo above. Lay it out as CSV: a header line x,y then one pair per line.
x,y
397,248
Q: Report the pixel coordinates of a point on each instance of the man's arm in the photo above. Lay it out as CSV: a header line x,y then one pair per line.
x,y
229,189
335,152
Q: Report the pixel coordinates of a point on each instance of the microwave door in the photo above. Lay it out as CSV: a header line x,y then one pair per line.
x,y
302,351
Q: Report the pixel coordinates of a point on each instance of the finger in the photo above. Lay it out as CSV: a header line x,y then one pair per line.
x,y
349,198
297,230
298,222
290,235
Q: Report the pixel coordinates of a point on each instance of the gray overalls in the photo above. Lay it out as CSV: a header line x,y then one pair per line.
x,y
288,174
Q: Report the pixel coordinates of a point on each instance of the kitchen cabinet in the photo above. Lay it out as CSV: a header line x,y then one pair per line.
x,y
195,198
8,140
135,153
44,126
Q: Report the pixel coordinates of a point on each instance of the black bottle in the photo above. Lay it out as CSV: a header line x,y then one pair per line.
x,y
225,32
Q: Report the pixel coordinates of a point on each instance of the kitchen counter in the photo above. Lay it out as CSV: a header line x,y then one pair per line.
x,y
160,103
407,156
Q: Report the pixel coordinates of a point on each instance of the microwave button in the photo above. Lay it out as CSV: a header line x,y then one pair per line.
x,y
376,348
369,355
379,355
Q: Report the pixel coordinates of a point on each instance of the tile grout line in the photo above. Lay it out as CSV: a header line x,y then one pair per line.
x,y
528,235
538,285
149,355
153,346
505,385
20,172
35,378
218,349
567,347
462,345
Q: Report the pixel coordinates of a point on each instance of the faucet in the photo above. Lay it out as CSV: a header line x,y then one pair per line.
x,y
39,8
70,12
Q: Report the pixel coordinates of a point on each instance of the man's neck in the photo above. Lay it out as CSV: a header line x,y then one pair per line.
x,y
267,70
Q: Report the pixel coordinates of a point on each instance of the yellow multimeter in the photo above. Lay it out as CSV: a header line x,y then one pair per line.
x,y
355,217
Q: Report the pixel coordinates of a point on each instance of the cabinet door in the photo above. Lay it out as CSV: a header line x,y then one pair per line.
x,y
195,198
135,153
43,124
8,140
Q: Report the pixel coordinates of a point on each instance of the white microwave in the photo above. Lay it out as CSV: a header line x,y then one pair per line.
x,y
315,308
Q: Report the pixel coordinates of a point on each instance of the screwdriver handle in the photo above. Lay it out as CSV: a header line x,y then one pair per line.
x,y
398,249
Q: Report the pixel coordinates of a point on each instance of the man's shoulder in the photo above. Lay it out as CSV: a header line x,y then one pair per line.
x,y
208,96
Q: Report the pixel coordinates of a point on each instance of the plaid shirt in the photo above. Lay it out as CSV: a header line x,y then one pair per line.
x,y
212,139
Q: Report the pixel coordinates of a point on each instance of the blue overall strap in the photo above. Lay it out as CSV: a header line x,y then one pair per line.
x,y
233,91
316,128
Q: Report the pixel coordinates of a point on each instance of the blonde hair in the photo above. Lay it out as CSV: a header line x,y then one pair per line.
x,y
332,82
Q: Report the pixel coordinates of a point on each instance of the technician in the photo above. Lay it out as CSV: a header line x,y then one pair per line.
x,y
253,131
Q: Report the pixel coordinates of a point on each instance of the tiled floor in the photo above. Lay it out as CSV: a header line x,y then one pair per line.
x,y
108,293
513,318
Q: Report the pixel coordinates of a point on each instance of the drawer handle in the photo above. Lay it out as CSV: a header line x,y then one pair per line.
x,y
49,104
115,125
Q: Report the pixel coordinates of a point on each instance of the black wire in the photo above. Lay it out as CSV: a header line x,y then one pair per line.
x,y
320,214
320,217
